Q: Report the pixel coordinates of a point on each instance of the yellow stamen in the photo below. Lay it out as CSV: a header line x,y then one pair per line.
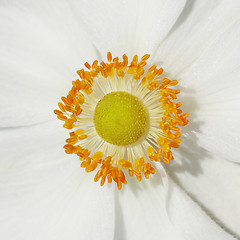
x,y
155,118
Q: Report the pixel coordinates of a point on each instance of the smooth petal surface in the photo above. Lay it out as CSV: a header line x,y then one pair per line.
x,y
211,181
200,23
41,46
145,212
132,27
189,220
45,194
211,95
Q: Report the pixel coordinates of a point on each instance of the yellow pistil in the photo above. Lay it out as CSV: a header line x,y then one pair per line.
x,y
126,128
120,118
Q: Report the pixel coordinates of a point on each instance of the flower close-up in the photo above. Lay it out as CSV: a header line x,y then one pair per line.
x,y
122,119
119,120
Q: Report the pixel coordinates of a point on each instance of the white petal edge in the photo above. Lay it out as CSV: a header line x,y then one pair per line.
x,y
46,195
145,214
42,46
131,27
189,220
211,181
199,24
210,93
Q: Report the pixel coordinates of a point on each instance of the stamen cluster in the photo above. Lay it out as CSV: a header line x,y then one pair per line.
x,y
169,123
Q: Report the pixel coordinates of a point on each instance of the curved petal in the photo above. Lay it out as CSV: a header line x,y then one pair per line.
x,y
132,27
45,195
189,220
145,214
200,23
211,181
42,46
213,82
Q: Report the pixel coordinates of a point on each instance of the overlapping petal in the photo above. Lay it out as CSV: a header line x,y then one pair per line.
x,y
211,182
201,22
150,211
189,220
46,195
41,46
132,27
213,82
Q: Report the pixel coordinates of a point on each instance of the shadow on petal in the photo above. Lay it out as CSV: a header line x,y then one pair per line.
x,y
120,228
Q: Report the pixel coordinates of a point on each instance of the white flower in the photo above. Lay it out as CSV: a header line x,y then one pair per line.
x,y
45,194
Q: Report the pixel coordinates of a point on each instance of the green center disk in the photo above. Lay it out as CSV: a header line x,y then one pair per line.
x,y
120,118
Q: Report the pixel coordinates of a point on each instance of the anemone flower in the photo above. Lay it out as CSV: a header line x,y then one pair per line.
x,y
138,54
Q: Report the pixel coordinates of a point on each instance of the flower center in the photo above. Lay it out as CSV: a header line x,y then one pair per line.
x,y
120,118
122,131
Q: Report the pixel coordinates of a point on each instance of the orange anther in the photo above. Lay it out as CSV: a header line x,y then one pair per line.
x,y
78,110
166,147
61,117
152,68
119,185
103,180
81,137
109,56
97,156
145,57
109,178
132,70
98,175
95,63
57,112
125,59
87,65
159,72
79,132
61,106
161,140
116,59
65,100
81,73
144,81
135,60
150,151
185,115
142,64
173,82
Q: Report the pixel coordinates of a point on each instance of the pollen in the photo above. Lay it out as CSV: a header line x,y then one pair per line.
x,y
123,117
120,118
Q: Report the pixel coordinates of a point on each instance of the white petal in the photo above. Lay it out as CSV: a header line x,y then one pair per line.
x,y
128,26
41,48
144,214
211,181
211,95
141,211
45,195
199,24
190,220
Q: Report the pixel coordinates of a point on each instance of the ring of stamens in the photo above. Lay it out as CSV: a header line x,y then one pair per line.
x,y
156,136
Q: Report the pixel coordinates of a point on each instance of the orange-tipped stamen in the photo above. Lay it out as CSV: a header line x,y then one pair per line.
x,y
94,151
